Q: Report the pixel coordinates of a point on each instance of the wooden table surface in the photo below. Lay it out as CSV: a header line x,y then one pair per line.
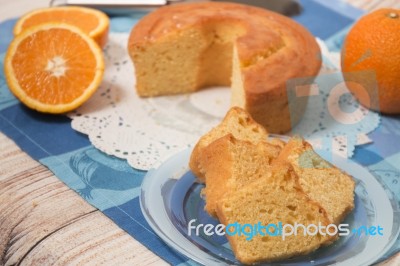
x,y
43,222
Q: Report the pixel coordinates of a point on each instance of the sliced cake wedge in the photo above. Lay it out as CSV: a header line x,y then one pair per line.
x,y
276,201
236,122
320,180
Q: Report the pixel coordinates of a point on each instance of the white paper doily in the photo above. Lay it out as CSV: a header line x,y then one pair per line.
x,y
146,131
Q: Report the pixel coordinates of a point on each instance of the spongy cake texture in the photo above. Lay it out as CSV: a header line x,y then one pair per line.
x,y
236,122
276,197
230,164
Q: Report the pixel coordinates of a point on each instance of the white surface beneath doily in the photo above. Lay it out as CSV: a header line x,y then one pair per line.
x,y
146,131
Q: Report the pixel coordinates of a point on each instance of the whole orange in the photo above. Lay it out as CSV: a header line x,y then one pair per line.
x,y
372,51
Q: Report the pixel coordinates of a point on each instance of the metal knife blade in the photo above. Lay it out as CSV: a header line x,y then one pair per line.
x,y
285,7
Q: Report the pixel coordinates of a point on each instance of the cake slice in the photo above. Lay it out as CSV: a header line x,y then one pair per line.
x,y
274,198
320,180
236,122
230,163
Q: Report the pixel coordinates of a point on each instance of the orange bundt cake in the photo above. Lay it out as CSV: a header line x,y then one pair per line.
x,y
185,47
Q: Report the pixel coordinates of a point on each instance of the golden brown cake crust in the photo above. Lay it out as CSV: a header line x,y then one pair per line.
x,y
265,33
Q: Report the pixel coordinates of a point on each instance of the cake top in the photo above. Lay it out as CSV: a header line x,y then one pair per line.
x,y
260,33
177,17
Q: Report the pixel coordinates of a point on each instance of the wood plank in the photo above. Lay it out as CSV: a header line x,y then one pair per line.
x,y
42,220
91,240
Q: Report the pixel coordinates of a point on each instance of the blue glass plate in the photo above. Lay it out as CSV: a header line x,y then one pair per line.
x,y
171,198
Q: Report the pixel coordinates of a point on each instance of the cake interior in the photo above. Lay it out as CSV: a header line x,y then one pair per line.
x,y
201,56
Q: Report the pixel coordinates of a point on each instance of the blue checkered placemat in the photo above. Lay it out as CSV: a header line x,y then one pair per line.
x,y
113,187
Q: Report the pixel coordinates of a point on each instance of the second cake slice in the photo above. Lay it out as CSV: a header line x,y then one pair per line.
x,y
275,198
230,163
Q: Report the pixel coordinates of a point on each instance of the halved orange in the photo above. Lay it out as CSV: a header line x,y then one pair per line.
x,y
53,68
93,22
